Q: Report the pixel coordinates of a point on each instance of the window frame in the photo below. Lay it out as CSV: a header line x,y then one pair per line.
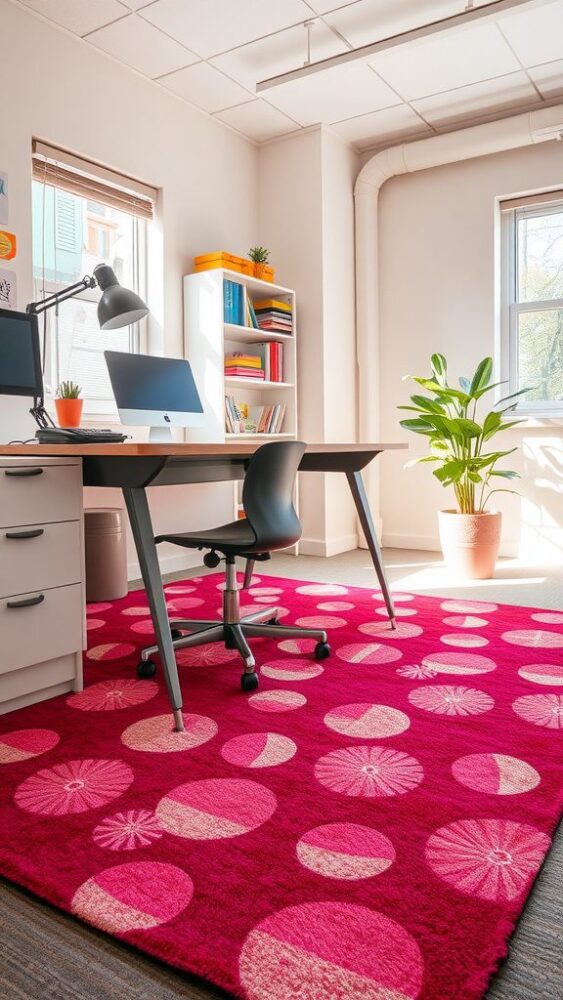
x,y
512,309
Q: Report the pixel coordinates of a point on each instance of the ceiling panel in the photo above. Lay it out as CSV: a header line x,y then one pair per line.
x,y
279,53
79,16
137,4
337,93
369,20
381,127
209,27
477,100
536,33
258,121
549,78
206,87
141,46
455,59
321,6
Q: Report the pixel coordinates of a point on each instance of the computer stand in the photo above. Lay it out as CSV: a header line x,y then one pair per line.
x,y
160,435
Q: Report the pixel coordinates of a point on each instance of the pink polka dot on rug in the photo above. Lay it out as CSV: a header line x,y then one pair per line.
x,y
469,607
541,709
127,831
23,744
536,638
107,696
335,606
330,951
110,651
452,700
93,609
73,787
383,630
543,673
277,701
258,750
369,653
416,671
297,646
207,655
367,721
345,851
264,591
549,617
136,611
459,663
368,772
495,773
465,621
93,623
179,589
216,808
464,640
321,589
291,670
157,735
144,627
396,598
399,612
492,859
184,603
321,621
133,897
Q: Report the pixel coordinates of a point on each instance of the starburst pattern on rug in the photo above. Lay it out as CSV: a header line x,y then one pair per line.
x,y
541,709
369,772
73,787
445,699
128,830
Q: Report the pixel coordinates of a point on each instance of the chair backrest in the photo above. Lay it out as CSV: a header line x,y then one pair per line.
x,y
267,494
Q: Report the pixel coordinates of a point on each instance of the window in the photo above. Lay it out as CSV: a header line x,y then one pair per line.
x,y
80,220
532,300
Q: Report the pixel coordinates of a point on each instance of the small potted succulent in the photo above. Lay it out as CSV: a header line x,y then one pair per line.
x,y
260,257
470,535
68,404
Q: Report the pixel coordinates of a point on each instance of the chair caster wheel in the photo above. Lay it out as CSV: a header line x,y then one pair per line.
x,y
272,621
249,682
146,669
176,634
322,650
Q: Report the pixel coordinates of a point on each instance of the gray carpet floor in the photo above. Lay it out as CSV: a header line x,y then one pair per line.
x,y
46,955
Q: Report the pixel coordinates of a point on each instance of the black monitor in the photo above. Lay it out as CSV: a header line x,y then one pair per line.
x,y
20,355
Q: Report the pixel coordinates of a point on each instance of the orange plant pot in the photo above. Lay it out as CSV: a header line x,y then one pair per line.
x,y
69,412
259,270
470,542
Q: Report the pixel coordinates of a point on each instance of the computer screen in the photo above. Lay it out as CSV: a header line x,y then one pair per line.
x,y
153,391
20,356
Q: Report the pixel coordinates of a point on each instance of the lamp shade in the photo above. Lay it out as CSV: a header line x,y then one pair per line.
x,y
118,306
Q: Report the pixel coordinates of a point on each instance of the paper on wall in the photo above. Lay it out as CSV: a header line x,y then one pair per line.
x,y
8,289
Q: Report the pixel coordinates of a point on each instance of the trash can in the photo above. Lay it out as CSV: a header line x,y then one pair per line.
x,y
106,554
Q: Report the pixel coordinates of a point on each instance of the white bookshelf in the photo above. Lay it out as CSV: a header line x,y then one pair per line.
x,y
208,338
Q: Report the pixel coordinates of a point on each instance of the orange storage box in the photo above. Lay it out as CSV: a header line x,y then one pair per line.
x,y
229,261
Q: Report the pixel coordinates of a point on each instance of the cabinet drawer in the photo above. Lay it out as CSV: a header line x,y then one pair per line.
x,y
39,557
36,494
41,631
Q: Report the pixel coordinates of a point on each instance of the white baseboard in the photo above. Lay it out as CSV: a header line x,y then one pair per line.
x,y
327,547
168,564
509,548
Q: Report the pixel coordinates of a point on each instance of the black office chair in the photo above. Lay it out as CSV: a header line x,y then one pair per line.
x,y
270,523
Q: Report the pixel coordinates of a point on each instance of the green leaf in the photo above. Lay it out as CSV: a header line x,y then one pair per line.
x,y
428,405
450,472
466,428
439,368
419,426
514,395
482,376
464,383
444,392
491,424
505,474
475,477
417,461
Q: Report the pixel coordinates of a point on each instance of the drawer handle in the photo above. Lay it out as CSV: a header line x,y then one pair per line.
x,y
29,533
27,602
21,473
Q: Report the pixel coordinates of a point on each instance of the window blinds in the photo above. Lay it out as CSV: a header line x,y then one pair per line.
x,y
532,200
88,180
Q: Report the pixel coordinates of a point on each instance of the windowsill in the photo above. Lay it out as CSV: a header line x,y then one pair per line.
x,y
531,421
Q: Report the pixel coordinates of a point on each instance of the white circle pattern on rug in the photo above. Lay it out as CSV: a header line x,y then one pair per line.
x,y
543,673
541,709
368,652
368,772
258,750
453,700
495,773
459,663
109,696
157,735
536,638
367,721
345,851
291,670
277,701
216,808
464,640
73,787
23,744
383,630
132,897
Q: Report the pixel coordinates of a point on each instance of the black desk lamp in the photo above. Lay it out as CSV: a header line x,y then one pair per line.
x,y
117,307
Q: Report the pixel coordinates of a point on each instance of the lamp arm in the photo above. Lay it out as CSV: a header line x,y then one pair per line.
x,y
66,293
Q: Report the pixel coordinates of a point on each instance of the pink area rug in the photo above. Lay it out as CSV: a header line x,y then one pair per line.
x,y
365,827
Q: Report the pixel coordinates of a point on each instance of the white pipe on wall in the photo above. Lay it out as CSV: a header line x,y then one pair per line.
x,y
480,140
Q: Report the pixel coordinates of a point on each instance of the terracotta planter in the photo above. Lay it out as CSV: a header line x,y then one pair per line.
x,y
470,542
69,412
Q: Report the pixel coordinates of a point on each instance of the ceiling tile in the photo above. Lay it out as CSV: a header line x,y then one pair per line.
x,y
206,87
79,16
548,78
453,59
258,121
535,33
141,46
381,127
137,4
321,6
229,24
369,20
477,100
279,53
334,94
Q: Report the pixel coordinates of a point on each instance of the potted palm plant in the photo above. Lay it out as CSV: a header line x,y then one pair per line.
x,y
469,535
259,255
68,404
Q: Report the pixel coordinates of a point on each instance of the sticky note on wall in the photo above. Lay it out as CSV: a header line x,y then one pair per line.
x,y
7,245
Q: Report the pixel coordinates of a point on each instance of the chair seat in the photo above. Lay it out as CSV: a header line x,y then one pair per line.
x,y
236,538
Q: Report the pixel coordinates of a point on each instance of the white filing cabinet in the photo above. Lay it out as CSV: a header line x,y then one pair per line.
x,y
42,591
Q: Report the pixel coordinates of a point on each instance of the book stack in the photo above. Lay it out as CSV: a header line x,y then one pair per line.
x,y
274,315
241,365
240,418
233,303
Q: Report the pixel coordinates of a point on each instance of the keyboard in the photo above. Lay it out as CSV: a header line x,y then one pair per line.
x,y
78,435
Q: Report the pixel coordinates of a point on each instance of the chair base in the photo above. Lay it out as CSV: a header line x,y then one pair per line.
x,y
233,630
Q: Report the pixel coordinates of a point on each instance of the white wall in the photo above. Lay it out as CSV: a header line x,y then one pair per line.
x,y
59,89
306,218
438,288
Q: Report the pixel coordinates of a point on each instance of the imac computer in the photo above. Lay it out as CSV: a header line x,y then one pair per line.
x,y
154,392
20,357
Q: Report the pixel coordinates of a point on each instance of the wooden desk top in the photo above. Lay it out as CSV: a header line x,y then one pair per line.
x,y
139,450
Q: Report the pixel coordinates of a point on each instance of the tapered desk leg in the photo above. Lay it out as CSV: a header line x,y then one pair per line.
x,y
141,527
358,489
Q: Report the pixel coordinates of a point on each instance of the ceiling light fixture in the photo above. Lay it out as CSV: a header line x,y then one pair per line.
x,y
467,16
